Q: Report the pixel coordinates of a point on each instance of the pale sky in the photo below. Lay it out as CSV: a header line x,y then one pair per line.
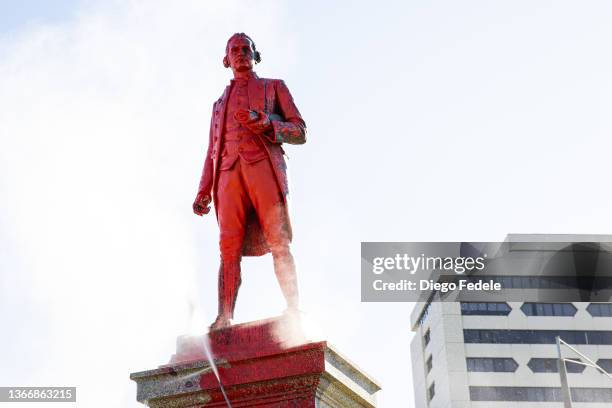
x,y
428,121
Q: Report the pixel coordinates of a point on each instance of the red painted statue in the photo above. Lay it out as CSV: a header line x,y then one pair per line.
x,y
245,174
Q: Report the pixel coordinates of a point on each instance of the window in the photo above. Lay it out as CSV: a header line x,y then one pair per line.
x,y
606,364
515,394
600,309
539,394
485,308
428,365
592,394
485,364
549,365
537,282
537,336
431,391
427,337
548,309
425,314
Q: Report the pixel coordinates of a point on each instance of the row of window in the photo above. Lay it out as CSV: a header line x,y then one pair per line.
x,y
539,394
606,364
536,336
546,282
509,365
428,364
425,314
549,309
600,309
533,309
550,365
496,365
485,308
529,309
536,365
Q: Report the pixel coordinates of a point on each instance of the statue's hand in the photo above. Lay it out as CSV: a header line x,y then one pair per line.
x,y
201,205
256,121
244,116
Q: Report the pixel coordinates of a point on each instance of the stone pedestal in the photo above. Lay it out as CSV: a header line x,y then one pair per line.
x,y
267,363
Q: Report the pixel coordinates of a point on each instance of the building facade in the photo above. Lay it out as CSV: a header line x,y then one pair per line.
x,y
504,354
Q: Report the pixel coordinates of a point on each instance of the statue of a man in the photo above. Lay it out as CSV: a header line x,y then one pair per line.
x,y
245,174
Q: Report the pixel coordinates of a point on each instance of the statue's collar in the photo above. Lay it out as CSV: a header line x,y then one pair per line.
x,y
251,75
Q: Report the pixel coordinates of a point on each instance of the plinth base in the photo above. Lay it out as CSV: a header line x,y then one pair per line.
x,y
266,363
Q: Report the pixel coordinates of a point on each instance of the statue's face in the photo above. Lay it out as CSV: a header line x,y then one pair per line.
x,y
240,54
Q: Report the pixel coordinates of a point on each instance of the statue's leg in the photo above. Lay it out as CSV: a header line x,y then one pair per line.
x,y
269,204
233,204
284,268
229,283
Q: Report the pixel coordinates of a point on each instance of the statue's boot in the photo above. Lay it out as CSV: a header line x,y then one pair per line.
x,y
284,268
229,282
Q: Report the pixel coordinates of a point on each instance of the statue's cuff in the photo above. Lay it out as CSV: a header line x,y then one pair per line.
x,y
276,136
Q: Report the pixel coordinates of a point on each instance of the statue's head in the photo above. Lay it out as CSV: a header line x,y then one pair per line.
x,y
240,53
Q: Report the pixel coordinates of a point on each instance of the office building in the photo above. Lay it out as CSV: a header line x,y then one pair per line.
x,y
504,354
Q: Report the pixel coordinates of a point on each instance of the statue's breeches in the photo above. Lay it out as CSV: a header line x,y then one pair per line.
x,y
250,190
